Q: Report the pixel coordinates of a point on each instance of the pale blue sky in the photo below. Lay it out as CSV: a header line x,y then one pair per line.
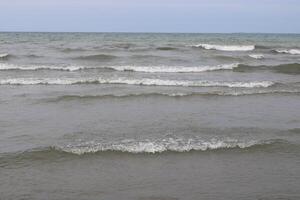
x,y
277,16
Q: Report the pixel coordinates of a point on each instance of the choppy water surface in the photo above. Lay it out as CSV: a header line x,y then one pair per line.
x,y
149,116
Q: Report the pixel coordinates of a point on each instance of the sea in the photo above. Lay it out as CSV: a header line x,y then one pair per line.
x,y
149,116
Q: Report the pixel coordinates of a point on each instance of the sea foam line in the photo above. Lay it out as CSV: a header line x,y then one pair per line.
x,y
161,145
289,51
174,69
142,81
150,69
5,66
226,47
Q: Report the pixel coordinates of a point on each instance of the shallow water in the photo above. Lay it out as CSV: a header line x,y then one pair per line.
x,y
149,116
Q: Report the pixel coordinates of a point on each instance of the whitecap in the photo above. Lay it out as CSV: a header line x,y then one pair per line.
x,y
159,145
129,81
289,51
226,47
173,69
257,56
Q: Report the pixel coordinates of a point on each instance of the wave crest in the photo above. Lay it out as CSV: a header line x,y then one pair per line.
x,y
289,51
4,56
257,56
173,69
226,47
40,67
161,145
144,81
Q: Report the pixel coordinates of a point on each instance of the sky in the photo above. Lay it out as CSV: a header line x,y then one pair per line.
x,y
199,16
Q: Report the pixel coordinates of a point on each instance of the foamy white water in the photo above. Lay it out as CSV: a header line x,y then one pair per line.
x,y
6,66
257,56
174,69
122,80
185,83
159,146
3,55
226,47
289,51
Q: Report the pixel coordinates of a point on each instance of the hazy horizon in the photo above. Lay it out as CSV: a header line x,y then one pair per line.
x,y
190,16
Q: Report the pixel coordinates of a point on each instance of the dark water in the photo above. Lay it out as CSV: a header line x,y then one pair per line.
x,y
149,116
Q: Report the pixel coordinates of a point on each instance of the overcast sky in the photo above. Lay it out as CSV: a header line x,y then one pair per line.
x,y
269,16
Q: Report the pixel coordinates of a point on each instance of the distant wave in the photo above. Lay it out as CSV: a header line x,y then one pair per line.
x,y
290,68
4,56
149,69
185,83
173,69
169,95
5,66
226,47
98,57
257,56
67,50
129,81
289,51
162,145
166,48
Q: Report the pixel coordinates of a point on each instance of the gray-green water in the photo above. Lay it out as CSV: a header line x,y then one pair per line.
x,y
149,116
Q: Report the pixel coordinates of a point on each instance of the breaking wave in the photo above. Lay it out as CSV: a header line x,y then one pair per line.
x,y
4,56
226,47
5,66
289,51
144,81
161,145
171,95
257,56
173,69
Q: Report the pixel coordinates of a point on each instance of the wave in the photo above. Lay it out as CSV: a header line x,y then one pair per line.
x,y
226,47
5,66
291,68
162,145
185,83
170,95
289,51
173,69
166,48
143,81
98,57
68,50
149,69
257,56
4,56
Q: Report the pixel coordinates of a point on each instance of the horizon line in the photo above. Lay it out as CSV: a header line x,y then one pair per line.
x,y
152,32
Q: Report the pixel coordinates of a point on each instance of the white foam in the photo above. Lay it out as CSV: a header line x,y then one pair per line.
x,y
289,51
159,146
3,55
226,47
173,69
44,81
185,83
257,56
5,66
122,80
